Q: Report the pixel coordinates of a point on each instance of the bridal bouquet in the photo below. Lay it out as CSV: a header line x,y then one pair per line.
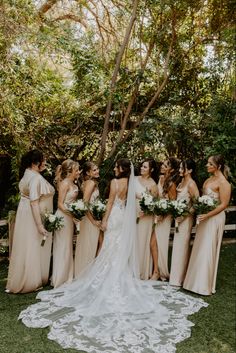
x,y
97,208
146,204
51,222
204,204
178,208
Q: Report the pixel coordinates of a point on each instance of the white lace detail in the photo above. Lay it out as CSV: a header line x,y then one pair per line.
x,y
107,309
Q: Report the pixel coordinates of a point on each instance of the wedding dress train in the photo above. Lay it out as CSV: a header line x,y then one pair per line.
x,y
107,308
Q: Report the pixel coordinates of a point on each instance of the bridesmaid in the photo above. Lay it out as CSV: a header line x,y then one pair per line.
x,y
147,246
66,174
186,190
167,190
203,264
29,262
87,240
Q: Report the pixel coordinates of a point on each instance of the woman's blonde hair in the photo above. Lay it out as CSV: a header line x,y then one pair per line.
x,y
64,169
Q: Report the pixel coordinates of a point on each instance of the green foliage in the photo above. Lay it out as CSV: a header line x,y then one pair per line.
x,y
55,81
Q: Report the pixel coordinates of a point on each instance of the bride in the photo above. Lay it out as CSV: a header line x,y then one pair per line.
x,y
107,308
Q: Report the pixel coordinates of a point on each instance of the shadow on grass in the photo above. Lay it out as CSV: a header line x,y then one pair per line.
x,y
214,330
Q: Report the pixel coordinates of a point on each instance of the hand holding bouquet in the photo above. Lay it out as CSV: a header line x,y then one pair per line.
x,y
97,208
146,204
178,208
204,204
161,208
78,209
51,222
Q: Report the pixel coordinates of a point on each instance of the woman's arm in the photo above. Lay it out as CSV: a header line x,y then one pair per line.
x,y
225,193
37,217
89,186
154,190
62,191
110,202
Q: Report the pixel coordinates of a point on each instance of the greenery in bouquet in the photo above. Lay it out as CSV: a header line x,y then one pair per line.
x,y
146,204
161,207
177,209
204,204
78,209
51,222
98,209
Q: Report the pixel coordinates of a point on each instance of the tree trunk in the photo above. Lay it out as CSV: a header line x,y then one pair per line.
x,y
113,82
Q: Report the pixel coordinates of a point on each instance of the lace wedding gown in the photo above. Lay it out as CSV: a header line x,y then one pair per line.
x,y
107,308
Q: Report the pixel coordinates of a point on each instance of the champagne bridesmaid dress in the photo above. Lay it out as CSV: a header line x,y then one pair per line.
x,y
144,232
162,231
29,262
87,241
203,263
63,244
181,243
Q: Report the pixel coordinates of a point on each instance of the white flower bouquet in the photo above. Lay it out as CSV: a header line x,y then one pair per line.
x,y
78,209
178,208
146,204
51,222
97,208
161,208
204,204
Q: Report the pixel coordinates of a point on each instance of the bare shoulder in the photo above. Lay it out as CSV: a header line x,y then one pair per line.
x,y
89,183
207,181
223,183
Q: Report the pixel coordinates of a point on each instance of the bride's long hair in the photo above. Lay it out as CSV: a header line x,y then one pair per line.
x,y
125,164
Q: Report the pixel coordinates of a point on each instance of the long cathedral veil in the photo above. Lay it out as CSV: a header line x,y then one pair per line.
x,y
128,237
107,309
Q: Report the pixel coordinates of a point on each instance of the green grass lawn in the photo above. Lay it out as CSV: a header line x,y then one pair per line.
x,y
214,330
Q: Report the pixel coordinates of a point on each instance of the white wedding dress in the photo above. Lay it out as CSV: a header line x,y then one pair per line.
x,y
107,309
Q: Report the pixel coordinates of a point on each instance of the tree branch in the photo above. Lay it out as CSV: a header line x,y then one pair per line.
x,y
114,79
46,7
156,95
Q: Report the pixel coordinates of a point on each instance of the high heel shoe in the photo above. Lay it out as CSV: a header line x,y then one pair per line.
x,y
155,276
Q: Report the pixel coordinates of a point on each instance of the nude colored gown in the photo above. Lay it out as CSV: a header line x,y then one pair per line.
x,y
63,244
162,230
144,232
203,263
29,262
181,243
87,241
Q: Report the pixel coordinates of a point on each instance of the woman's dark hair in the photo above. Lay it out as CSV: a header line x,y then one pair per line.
x,y
190,164
154,168
219,161
124,163
174,176
32,157
87,166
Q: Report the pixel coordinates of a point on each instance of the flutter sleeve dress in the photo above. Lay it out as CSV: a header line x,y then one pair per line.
x,y
30,262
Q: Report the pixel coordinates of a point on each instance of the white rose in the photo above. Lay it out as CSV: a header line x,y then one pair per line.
x,y
52,218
